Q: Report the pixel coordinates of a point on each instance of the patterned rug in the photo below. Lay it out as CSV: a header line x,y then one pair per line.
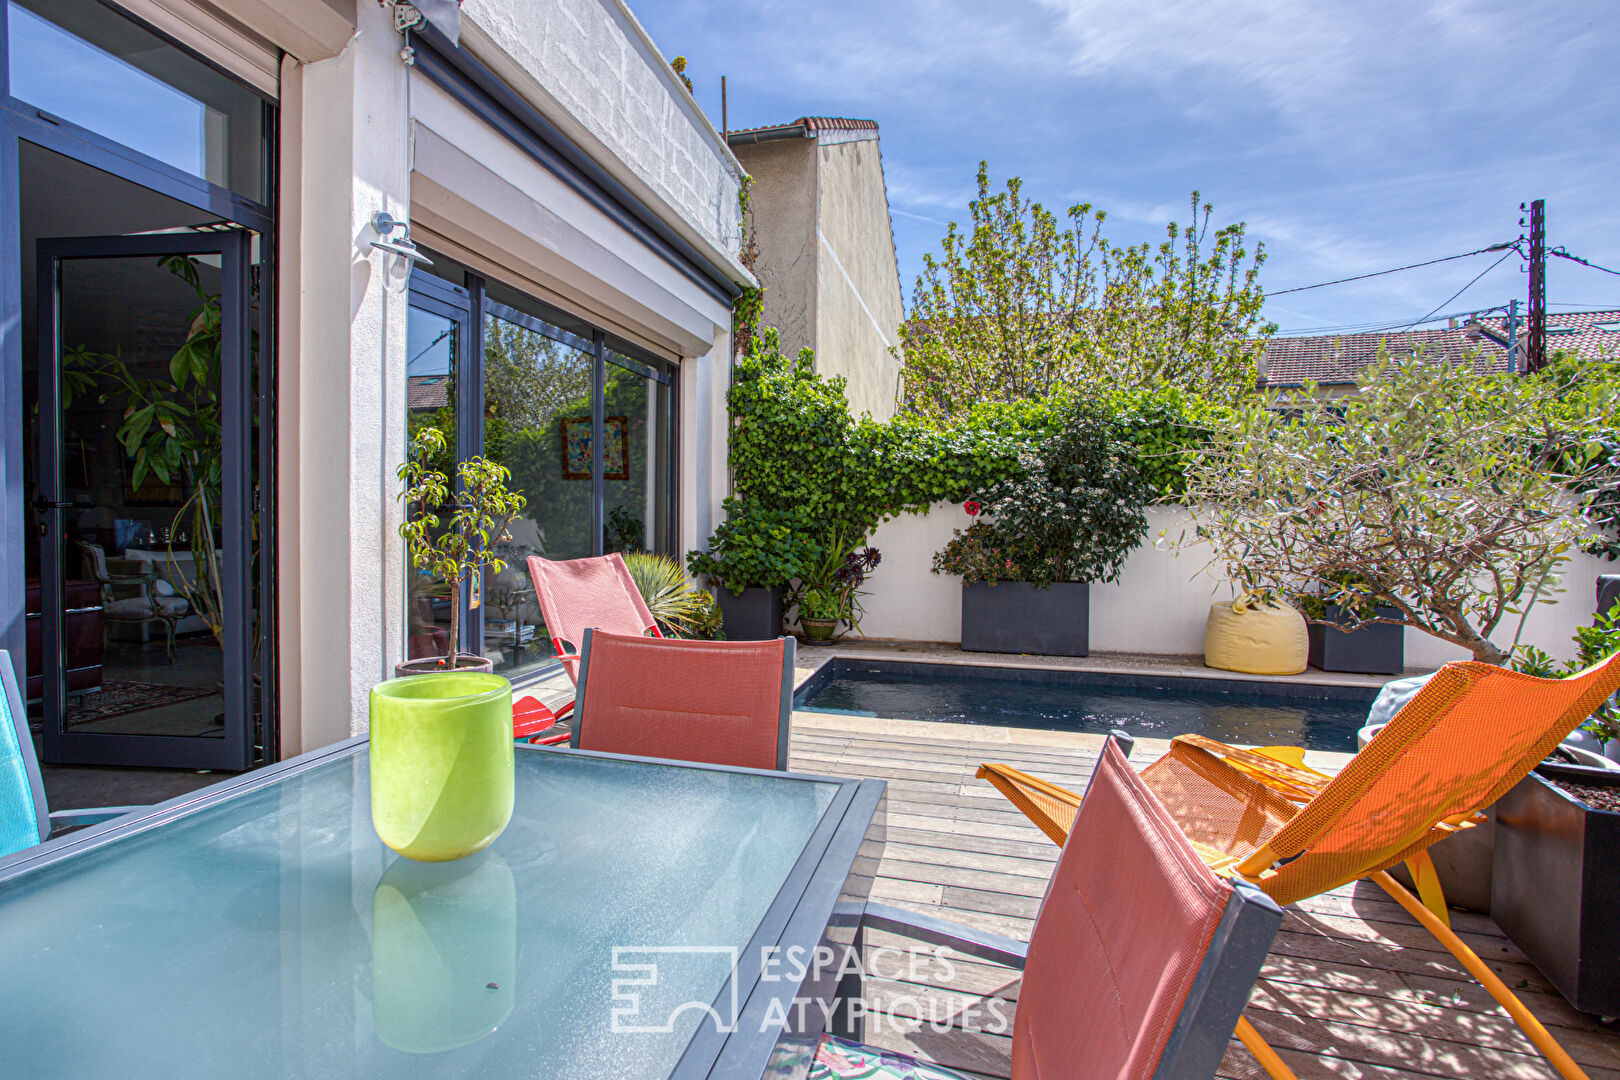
x,y
116,698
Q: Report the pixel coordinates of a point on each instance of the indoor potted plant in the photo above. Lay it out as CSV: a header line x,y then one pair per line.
x,y
456,548
751,557
1038,539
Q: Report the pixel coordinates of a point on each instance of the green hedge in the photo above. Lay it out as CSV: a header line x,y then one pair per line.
x,y
802,464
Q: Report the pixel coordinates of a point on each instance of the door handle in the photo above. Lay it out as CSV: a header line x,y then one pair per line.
x,y
51,504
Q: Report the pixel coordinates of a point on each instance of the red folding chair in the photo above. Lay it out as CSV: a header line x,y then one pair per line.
x,y
1139,964
577,595
718,702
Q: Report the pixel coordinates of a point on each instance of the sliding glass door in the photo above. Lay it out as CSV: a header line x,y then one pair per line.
x,y
585,423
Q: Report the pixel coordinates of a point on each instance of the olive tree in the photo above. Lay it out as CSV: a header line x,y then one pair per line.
x,y
1436,490
1023,303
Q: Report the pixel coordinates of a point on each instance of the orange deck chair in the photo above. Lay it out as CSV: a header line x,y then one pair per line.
x,y
574,596
1140,961
718,702
1470,734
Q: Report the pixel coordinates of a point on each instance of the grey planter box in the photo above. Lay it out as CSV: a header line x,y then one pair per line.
x,y
1555,884
1374,649
751,615
1016,617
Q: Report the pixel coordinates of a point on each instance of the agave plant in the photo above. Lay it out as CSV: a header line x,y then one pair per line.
x,y
678,606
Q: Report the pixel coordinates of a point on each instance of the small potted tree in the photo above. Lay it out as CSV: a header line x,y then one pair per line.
x,y
456,548
751,557
1040,538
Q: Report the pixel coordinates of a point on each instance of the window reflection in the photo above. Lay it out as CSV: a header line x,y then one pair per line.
x,y
635,464
537,396
79,61
430,396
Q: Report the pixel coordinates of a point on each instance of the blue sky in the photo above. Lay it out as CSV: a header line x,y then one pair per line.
x,y
1351,136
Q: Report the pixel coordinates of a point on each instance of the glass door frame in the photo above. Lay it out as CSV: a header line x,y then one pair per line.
x,y
449,301
21,121
234,750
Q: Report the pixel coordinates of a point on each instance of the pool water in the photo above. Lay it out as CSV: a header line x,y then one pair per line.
x,y
1230,710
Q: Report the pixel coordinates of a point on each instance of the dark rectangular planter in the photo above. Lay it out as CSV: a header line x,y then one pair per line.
x,y
1375,649
751,615
1016,617
1555,884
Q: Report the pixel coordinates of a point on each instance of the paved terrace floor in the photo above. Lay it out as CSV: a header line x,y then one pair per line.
x,y
1354,987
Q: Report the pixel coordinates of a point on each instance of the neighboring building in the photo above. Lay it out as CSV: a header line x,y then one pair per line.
x,y
1333,361
581,215
820,213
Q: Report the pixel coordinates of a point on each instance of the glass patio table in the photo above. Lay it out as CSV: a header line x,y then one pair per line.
x,y
624,925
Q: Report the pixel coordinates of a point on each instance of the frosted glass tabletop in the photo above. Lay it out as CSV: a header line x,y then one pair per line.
x,y
272,934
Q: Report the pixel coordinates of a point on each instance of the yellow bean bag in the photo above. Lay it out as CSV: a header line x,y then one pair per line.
x,y
1258,639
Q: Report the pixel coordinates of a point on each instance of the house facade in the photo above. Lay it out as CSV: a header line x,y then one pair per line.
x,y
825,250
251,247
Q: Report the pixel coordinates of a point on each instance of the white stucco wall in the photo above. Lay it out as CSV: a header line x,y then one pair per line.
x,y
783,201
589,67
858,300
1161,601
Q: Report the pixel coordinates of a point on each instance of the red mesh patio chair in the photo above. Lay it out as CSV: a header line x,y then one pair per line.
x,y
718,702
576,595
1140,962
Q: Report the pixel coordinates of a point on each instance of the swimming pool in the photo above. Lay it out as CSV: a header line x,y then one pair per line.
x,y
1149,706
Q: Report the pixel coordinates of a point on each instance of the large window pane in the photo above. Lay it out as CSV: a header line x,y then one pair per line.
x,y
537,419
635,462
80,61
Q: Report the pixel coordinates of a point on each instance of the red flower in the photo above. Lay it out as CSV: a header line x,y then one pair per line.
x,y
971,507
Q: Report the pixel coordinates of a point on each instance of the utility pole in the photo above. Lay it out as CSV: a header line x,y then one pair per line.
x,y
1536,347
725,120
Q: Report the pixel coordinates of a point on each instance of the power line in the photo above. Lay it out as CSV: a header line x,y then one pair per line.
x,y
1562,254
1511,249
1392,270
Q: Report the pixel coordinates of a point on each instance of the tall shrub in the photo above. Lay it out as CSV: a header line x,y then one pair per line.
x,y
1436,490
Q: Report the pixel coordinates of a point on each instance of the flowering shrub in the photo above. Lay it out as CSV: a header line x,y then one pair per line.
x,y
1073,513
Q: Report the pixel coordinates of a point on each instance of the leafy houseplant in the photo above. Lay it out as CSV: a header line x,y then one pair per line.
x,y
478,513
1070,517
752,556
829,594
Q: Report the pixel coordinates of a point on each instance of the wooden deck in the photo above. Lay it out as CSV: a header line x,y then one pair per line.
x,y
1353,987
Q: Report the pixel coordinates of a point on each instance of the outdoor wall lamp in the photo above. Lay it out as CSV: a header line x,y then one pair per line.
x,y
402,253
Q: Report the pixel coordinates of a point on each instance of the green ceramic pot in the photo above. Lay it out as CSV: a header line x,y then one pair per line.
x,y
441,763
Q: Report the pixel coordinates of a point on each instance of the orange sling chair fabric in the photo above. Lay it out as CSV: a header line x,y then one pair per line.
x,y
581,594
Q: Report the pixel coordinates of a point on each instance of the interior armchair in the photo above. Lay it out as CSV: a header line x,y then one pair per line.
x,y
132,593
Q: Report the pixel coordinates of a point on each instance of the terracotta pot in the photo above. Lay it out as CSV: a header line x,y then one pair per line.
x,y
432,665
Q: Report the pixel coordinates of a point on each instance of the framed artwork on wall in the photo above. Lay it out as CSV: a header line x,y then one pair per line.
x,y
576,448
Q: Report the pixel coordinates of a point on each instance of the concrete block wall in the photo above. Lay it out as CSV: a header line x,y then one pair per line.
x,y
596,74
1162,599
